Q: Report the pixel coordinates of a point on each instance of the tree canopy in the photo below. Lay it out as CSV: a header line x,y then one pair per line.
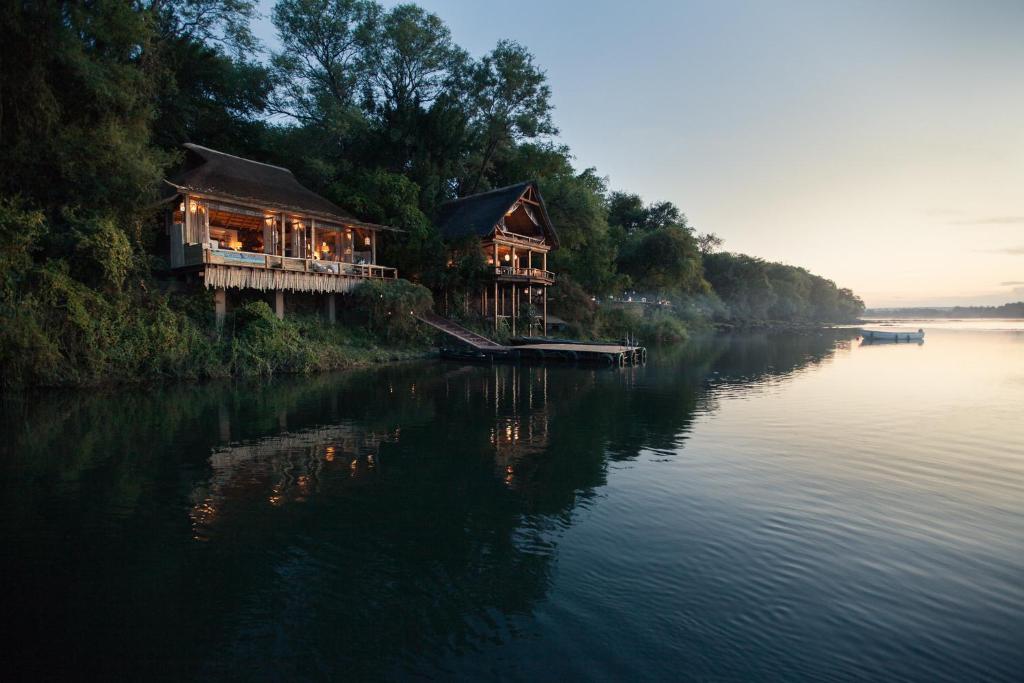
x,y
377,108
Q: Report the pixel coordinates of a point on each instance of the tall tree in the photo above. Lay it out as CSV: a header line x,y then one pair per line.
x,y
410,60
319,71
75,105
509,101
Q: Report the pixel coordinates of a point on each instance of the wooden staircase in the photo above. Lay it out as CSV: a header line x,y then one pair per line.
x,y
459,332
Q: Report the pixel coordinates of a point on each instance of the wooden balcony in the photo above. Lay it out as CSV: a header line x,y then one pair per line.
x,y
512,239
224,268
531,275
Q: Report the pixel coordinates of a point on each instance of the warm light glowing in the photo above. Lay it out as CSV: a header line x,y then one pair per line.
x,y
324,248
508,257
366,241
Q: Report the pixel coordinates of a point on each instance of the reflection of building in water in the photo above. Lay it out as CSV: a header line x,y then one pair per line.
x,y
285,468
519,398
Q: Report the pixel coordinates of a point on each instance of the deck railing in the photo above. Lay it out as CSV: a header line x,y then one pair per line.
x,y
195,255
515,238
525,273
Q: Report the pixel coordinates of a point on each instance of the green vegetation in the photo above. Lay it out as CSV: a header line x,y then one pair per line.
x,y
1011,310
377,109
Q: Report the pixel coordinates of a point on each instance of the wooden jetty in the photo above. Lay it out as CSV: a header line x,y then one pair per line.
x,y
480,348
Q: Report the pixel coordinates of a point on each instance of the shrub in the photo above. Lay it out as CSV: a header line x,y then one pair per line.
x,y
386,308
264,345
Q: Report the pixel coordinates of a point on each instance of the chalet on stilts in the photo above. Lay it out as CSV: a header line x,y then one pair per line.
x,y
515,235
241,224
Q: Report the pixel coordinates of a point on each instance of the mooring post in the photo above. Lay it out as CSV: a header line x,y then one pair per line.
x,y
220,306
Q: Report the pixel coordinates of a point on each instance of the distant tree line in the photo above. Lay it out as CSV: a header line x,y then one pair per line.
x,y
1011,310
376,108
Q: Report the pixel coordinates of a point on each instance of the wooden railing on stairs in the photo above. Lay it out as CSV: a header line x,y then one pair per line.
x,y
457,331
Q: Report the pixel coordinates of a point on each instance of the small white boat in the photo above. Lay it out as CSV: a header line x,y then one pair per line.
x,y
893,335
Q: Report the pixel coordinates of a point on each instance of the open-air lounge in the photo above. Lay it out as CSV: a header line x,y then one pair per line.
x,y
242,224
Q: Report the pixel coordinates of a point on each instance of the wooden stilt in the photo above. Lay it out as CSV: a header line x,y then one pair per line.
x,y
544,332
279,304
220,306
329,308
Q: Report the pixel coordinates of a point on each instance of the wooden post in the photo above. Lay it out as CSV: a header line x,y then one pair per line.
x,y
514,316
189,223
220,306
373,246
282,235
279,304
224,418
329,308
495,299
545,332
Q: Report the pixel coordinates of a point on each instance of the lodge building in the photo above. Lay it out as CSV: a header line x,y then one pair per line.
x,y
241,224
238,224
515,234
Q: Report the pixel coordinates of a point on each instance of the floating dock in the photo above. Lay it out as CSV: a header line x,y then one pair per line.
x,y
482,349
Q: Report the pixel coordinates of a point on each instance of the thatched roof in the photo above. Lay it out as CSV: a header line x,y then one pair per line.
x,y
478,214
209,172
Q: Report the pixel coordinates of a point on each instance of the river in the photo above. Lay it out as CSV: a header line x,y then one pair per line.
x,y
749,507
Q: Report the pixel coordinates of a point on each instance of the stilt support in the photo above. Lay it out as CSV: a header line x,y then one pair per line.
x,y
220,306
329,308
279,305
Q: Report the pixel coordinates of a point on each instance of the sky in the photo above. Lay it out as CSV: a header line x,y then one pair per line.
x,y
877,143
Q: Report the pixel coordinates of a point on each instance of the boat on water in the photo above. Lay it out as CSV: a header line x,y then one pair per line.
x,y
893,335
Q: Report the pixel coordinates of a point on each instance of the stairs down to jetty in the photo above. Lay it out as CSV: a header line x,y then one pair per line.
x,y
459,332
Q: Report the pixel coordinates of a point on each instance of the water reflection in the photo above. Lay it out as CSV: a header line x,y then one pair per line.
x,y
378,522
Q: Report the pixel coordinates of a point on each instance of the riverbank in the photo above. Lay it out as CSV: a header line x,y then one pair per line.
x,y
182,347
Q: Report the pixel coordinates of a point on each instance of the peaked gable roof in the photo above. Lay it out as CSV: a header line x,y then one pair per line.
x,y
208,171
478,214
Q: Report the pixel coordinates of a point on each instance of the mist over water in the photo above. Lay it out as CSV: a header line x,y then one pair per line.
x,y
797,507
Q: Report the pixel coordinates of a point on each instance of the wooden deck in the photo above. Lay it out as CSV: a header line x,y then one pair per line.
x,y
482,349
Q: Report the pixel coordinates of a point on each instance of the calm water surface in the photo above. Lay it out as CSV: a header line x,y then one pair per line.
x,y
745,508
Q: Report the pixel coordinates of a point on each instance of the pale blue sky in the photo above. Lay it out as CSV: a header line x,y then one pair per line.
x,y
880,144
